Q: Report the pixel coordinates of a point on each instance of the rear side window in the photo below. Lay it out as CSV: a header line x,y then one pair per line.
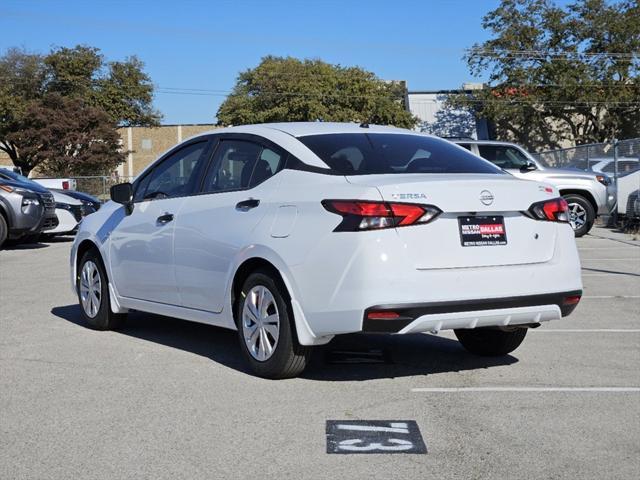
x,y
234,163
383,153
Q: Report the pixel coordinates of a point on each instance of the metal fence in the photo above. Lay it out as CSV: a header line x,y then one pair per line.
x,y
612,158
99,185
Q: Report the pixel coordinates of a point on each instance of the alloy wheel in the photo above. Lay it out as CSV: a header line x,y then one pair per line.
x,y
577,215
90,289
260,323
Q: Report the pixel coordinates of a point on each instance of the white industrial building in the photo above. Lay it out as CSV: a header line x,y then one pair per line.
x,y
436,118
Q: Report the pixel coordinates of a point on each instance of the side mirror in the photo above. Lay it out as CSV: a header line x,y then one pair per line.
x,y
528,167
123,194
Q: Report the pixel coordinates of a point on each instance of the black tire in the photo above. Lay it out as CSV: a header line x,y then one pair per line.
x,y
491,342
289,358
4,230
104,319
581,203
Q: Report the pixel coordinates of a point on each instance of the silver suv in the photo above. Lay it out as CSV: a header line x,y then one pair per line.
x,y
26,208
588,194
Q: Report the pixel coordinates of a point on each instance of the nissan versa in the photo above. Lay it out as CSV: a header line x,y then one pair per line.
x,y
294,233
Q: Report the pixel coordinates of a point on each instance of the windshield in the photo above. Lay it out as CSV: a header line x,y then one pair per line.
x,y
375,153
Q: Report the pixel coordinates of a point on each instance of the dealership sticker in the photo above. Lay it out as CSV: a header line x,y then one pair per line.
x,y
374,436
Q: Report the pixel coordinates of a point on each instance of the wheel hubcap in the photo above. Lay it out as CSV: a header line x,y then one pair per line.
x,y
90,289
577,215
260,323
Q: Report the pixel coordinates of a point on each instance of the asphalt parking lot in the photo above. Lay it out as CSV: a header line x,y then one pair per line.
x,y
170,399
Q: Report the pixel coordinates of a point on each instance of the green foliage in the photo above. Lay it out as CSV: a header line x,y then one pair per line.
x,y
65,137
288,89
121,90
559,73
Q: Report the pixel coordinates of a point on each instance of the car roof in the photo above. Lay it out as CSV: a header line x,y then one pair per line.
x,y
301,129
485,142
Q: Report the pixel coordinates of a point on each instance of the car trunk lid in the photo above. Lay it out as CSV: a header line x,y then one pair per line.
x,y
482,202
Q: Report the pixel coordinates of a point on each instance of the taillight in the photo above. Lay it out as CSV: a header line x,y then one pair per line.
x,y
65,185
368,215
554,210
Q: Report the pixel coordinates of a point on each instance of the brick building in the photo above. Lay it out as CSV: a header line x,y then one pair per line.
x,y
144,144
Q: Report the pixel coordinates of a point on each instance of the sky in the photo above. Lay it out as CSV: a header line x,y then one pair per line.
x,y
203,45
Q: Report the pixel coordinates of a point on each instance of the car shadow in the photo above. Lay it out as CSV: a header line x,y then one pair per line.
x,y
353,357
58,239
17,245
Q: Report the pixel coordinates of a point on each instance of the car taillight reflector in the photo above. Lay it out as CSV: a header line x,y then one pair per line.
x,y
382,315
554,210
370,215
571,300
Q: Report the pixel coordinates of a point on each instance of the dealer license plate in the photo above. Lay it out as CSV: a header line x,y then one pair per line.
x,y
482,231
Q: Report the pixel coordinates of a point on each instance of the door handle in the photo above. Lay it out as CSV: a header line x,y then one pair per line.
x,y
165,218
247,205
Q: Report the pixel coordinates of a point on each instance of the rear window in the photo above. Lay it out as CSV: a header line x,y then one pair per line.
x,y
374,153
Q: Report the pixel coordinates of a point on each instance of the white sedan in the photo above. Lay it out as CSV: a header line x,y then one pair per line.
x,y
294,233
70,211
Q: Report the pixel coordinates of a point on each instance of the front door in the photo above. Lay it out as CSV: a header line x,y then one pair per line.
x,y
142,244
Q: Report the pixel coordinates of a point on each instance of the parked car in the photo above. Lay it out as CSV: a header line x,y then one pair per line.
x,y
633,207
26,209
294,233
57,183
587,194
607,165
91,203
627,184
70,211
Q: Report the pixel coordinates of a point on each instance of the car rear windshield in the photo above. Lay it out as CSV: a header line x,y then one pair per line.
x,y
375,153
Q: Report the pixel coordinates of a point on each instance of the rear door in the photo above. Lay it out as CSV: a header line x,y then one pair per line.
x,y
216,224
142,244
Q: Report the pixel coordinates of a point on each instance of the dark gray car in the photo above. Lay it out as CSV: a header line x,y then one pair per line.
x,y
26,208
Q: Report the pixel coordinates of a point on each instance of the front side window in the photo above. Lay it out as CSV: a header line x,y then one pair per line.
x,y
174,177
384,153
503,156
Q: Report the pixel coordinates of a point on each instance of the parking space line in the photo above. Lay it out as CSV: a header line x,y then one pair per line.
x,y
527,389
588,330
609,296
609,248
611,258
611,274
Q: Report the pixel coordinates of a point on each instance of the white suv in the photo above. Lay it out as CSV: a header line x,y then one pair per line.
x,y
294,233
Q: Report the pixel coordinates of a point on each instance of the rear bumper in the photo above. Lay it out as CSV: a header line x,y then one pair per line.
x,y
500,312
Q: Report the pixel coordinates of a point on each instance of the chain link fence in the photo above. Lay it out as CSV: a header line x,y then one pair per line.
x,y
98,185
612,158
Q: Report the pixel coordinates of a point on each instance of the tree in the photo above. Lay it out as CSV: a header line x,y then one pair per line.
x,y
287,89
65,137
121,89
559,73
